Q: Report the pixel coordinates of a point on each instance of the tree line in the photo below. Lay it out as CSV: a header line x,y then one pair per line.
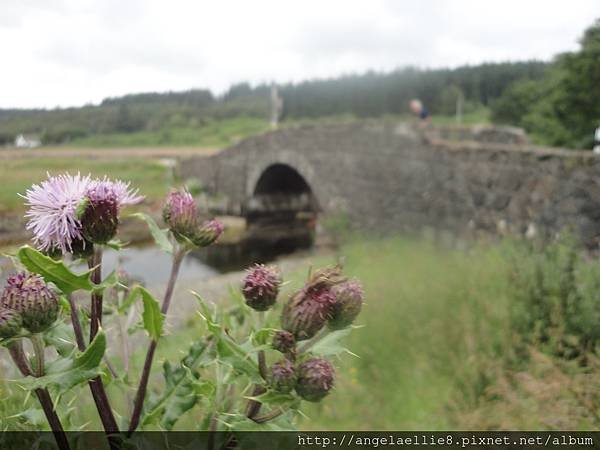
x,y
563,107
557,102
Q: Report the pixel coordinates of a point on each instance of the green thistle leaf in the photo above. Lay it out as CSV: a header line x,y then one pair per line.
x,y
54,271
161,236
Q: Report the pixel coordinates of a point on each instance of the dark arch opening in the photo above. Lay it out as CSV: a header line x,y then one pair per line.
x,y
281,179
282,211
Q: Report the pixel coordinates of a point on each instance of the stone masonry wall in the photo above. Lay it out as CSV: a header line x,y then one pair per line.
x,y
391,177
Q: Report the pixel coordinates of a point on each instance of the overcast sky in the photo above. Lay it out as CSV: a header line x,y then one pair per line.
x,y
72,52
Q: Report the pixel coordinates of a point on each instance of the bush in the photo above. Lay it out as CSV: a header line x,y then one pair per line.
x,y
556,297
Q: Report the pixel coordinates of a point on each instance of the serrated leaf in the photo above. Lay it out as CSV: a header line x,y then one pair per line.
x,y
110,281
263,336
274,398
183,389
330,344
54,271
160,236
33,416
61,337
129,299
66,373
116,244
230,352
152,317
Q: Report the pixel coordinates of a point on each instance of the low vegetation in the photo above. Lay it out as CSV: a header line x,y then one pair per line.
x,y
484,338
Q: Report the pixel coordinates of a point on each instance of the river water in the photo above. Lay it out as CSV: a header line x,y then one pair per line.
x,y
147,264
150,265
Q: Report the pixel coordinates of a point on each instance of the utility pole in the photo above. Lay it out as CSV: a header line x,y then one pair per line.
x,y
460,99
276,106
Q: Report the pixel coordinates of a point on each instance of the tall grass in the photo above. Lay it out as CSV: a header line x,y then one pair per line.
x,y
451,340
432,319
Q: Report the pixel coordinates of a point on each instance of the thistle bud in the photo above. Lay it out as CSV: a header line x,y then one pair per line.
x,y
207,233
348,303
99,216
307,311
98,212
261,286
181,215
29,296
284,341
10,323
315,379
283,376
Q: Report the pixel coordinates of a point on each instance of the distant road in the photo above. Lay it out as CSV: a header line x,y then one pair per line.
x,y
105,152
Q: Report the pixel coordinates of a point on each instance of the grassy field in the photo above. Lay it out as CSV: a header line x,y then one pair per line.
x,y
479,116
213,133
18,174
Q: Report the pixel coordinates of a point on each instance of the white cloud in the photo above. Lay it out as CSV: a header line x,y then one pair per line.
x,y
70,52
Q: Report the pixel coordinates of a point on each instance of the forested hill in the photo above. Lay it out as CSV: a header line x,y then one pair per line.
x,y
371,94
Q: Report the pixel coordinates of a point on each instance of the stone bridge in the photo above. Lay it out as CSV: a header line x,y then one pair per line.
x,y
388,177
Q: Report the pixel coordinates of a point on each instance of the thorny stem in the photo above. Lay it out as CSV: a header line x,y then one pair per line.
x,y
96,386
262,364
141,391
76,323
312,341
38,349
254,406
125,355
18,355
95,263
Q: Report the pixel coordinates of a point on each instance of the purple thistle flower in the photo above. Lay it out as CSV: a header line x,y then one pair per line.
x,y
117,190
348,304
55,207
99,210
261,286
283,376
52,210
316,377
208,232
180,214
30,296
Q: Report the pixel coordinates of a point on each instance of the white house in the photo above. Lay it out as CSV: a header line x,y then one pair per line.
x,y
27,141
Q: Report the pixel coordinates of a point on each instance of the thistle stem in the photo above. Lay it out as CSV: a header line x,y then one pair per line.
x,y
141,391
262,364
38,349
96,386
306,345
18,355
76,323
95,264
254,406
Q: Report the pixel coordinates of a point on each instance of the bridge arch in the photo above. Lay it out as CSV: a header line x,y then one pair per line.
x,y
282,209
294,160
281,179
